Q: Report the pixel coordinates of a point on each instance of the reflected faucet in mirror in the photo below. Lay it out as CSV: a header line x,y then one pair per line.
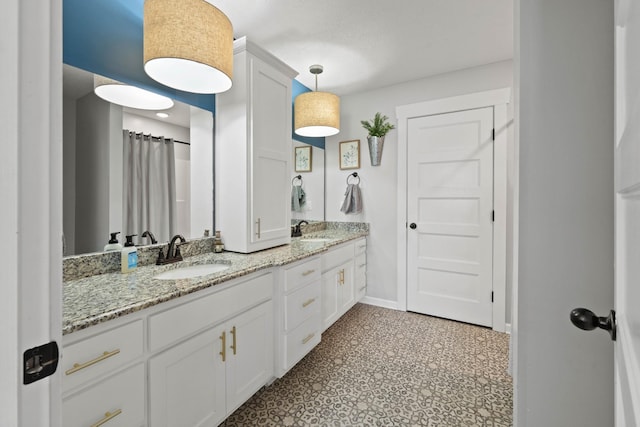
x,y
173,251
296,231
150,236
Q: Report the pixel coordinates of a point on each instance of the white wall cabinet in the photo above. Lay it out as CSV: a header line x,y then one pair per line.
x,y
253,151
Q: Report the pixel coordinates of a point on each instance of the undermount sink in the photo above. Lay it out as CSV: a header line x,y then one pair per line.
x,y
191,271
317,240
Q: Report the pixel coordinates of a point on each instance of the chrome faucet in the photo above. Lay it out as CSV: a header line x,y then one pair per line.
x,y
295,230
173,252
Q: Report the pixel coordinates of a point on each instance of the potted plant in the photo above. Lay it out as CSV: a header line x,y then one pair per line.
x,y
377,129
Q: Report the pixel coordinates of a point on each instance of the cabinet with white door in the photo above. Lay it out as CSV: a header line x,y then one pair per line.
x,y
204,379
338,286
253,150
200,381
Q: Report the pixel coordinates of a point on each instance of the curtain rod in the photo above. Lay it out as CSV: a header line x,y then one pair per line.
x,y
158,137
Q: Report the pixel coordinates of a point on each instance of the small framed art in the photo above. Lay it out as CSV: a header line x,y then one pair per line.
x,y
350,154
303,158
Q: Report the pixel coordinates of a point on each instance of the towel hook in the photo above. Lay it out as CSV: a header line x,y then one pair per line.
x,y
355,175
296,177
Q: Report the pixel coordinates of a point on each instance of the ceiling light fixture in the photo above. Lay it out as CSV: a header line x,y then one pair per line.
x,y
316,113
188,45
129,96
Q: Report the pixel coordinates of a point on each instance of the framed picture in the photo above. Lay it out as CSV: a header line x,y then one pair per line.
x,y
303,158
350,154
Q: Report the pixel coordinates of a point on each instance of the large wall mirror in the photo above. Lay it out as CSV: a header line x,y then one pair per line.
x,y
101,143
105,36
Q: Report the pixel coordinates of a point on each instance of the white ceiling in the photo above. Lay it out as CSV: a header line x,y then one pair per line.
x,y
366,44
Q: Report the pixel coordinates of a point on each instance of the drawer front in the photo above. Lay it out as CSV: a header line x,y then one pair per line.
x,y
120,399
337,256
301,340
301,305
301,274
100,354
361,246
186,319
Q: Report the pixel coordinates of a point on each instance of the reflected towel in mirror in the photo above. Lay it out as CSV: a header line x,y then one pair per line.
x,y
298,198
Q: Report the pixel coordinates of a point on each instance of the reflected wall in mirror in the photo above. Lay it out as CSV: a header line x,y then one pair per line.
x,y
95,178
312,185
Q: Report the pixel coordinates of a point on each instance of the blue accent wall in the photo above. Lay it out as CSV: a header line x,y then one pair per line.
x,y
105,37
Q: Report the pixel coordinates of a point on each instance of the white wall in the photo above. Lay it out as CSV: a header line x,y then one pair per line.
x,y
378,183
313,184
201,172
98,173
564,376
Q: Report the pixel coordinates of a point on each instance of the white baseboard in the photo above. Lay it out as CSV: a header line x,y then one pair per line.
x,y
379,302
507,328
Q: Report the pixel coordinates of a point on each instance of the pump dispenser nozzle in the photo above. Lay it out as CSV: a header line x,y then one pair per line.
x,y
129,241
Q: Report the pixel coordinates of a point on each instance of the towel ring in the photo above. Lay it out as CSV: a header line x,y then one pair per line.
x,y
296,177
354,175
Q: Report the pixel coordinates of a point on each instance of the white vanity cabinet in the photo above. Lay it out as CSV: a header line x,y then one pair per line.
x,y
253,151
360,268
338,286
299,324
103,377
200,381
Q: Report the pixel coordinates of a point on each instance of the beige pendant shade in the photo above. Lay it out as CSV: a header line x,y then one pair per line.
x,y
188,45
129,96
317,114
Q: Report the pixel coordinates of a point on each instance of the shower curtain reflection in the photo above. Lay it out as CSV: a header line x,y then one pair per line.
x,y
149,186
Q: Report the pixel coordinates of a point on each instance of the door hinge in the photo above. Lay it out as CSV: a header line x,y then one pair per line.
x,y
493,216
493,134
40,362
491,296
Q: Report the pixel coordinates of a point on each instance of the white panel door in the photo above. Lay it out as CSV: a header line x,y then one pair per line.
x,y
627,199
450,204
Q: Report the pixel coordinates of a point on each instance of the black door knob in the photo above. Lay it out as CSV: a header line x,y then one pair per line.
x,y
413,226
586,319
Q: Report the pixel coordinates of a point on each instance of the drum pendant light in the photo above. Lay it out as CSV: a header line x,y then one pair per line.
x,y
188,45
316,113
129,96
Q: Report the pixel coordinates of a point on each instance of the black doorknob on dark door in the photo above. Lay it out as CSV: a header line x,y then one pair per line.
x,y
587,320
413,226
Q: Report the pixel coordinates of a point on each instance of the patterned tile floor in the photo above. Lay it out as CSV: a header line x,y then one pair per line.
x,y
381,367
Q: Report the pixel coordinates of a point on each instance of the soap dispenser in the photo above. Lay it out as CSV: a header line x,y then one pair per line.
x,y
129,258
113,244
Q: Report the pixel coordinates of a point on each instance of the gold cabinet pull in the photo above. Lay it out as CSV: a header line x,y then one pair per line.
x,y
233,345
258,233
223,353
108,416
308,337
341,280
79,366
308,272
363,265
307,302
364,287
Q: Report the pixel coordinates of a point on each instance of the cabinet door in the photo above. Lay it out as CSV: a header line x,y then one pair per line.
x,y
187,383
249,363
271,149
347,288
330,297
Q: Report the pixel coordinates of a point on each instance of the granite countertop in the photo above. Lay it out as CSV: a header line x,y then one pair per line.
x,y
91,300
